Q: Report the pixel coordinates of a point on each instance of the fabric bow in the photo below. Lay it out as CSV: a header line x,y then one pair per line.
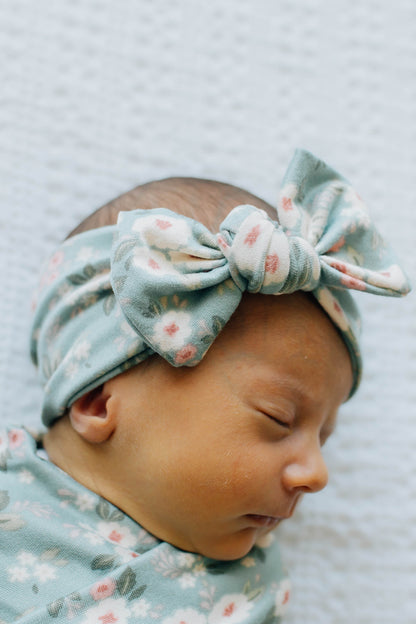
x,y
160,282
178,284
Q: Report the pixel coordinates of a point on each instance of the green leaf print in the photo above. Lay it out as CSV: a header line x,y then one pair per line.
x,y
104,562
11,522
76,279
258,552
217,324
116,516
221,567
108,305
89,271
3,460
103,509
54,608
49,554
4,499
126,581
137,592
123,249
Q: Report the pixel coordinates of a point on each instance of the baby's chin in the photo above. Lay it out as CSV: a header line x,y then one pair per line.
x,y
235,546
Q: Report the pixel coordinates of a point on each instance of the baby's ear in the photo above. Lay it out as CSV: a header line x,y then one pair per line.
x,y
92,417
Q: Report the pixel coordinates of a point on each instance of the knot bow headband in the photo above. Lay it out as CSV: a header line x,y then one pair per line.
x,y
161,282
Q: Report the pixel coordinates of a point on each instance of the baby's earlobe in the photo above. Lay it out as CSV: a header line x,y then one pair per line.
x,y
90,417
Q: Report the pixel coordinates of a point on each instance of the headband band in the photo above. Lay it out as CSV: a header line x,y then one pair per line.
x,y
159,282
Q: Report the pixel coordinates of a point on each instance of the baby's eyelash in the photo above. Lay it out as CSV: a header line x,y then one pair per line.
x,y
280,422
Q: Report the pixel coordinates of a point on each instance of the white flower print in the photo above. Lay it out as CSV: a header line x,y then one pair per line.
x,y
154,262
187,579
25,476
186,560
84,254
128,336
282,597
85,501
71,370
230,609
117,533
141,607
31,567
81,349
391,277
333,308
266,540
289,213
44,572
26,558
163,231
199,569
108,611
18,574
172,331
185,616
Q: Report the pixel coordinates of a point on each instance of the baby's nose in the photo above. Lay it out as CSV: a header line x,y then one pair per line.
x,y
307,473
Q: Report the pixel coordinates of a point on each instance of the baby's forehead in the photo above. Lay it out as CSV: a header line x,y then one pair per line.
x,y
283,339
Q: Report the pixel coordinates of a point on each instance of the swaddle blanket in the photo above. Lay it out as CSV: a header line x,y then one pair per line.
x,y
159,282
67,555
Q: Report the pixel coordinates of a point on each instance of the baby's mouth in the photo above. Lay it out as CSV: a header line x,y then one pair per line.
x,y
268,522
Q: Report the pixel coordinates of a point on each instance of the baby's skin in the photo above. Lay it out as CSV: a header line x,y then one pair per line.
x,y
211,458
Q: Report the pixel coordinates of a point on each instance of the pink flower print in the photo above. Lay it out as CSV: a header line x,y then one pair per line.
x,y
230,609
172,331
185,616
115,536
108,611
352,282
340,266
286,203
222,242
103,589
108,618
272,263
282,597
333,308
153,264
163,224
56,259
338,245
16,438
252,236
185,354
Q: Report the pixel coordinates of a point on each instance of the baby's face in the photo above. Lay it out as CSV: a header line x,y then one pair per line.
x,y
215,456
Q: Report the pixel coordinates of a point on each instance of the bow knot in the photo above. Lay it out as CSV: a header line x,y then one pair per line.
x,y
262,258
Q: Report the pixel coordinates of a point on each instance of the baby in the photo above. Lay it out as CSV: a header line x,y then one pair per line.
x,y
185,409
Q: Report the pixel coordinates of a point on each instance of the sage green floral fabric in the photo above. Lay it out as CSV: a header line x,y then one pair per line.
x,y
159,282
69,556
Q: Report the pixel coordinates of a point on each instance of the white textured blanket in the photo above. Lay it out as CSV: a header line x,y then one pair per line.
x,y
98,96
